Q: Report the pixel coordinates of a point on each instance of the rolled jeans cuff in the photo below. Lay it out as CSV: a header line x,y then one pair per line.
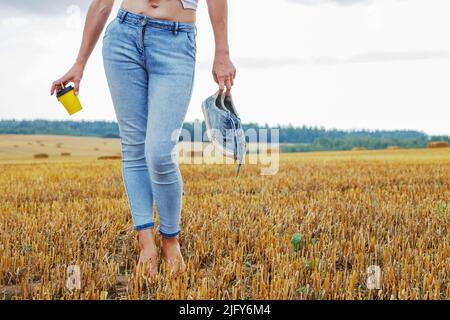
x,y
145,226
169,235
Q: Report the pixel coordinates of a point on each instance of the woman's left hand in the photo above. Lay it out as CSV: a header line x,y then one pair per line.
x,y
224,73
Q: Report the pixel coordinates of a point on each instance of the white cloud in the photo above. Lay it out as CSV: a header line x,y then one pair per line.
x,y
46,7
315,65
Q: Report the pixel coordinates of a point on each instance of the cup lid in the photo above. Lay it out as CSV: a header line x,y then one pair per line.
x,y
64,91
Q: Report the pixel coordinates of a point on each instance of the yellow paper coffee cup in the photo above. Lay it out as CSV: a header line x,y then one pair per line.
x,y
69,100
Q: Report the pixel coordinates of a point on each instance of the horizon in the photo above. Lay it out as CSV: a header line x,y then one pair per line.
x,y
261,125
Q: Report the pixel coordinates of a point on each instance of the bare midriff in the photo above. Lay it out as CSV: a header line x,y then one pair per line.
x,y
171,10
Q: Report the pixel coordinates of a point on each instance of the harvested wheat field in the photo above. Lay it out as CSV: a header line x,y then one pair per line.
x,y
309,232
21,148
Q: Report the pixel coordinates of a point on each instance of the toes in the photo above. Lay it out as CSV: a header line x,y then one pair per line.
x,y
176,265
147,265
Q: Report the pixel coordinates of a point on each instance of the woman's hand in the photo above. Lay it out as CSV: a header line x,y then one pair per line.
x,y
98,13
224,73
75,74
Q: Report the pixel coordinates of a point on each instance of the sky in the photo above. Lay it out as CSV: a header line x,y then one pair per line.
x,y
346,64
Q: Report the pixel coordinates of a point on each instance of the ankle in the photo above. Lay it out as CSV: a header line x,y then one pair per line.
x,y
170,242
147,242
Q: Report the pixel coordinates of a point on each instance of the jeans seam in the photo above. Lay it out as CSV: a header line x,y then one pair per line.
x,y
192,80
142,37
128,197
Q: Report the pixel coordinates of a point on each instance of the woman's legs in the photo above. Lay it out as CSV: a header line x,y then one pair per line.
x,y
128,82
150,73
167,93
170,59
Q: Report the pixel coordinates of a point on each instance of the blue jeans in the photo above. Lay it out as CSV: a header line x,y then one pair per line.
x,y
150,67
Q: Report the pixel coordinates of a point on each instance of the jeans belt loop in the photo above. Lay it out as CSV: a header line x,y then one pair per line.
x,y
175,28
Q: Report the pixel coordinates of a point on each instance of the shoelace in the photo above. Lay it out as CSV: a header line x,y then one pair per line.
x,y
238,154
237,151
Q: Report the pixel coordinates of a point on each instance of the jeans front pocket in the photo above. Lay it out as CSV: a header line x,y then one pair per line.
x,y
108,29
192,41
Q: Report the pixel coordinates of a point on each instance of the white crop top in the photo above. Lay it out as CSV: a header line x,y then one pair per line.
x,y
190,4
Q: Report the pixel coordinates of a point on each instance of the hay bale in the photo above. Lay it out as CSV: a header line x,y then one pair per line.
x,y
359,149
438,144
41,156
109,158
66,154
393,148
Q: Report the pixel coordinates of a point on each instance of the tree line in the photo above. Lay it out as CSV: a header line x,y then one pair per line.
x,y
292,138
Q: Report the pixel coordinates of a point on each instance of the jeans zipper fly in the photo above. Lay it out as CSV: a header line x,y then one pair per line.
x,y
144,25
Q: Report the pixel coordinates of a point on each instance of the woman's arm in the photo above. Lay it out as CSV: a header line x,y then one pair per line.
x,y
224,71
97,16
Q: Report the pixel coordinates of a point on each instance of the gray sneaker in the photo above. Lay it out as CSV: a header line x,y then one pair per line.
x,y
223,127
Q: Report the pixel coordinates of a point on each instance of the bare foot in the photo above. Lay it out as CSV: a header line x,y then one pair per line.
x,y
172,255
148,263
